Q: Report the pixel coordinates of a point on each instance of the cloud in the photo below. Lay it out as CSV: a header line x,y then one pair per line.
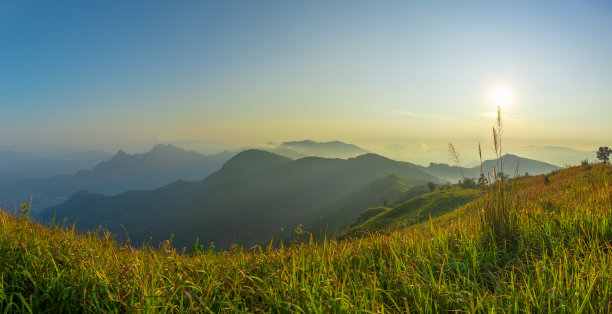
x,y
425,116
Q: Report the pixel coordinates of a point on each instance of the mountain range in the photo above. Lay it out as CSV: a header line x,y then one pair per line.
x,y
255,196
556,155
512,165
306,148
158,167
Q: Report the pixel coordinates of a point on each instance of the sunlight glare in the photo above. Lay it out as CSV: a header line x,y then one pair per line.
x,y
501,96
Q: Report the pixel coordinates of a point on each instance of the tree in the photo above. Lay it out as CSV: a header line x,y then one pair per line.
x,y
603,154
468,183
431,186
502,176
482,181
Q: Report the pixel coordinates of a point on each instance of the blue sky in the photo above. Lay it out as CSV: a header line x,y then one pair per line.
x,y
127,74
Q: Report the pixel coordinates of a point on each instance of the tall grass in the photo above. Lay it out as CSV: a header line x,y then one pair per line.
x,y
562,263
499,210
454,155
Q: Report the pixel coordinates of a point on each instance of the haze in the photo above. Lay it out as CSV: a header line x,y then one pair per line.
x,y
397,78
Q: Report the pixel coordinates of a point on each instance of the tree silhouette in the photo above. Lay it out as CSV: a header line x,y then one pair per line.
x,y
468,183
603,154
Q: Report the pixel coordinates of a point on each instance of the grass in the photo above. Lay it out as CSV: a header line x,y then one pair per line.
x,y
411,212
557,258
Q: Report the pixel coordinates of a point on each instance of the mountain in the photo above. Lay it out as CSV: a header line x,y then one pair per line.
x,y
557,155
156,168
385,190
335,149
510,164
255,196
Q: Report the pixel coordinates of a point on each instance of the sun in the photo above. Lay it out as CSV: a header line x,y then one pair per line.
x,y
501,96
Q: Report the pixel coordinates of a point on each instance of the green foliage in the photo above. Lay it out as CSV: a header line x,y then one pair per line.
x,y
468,183
603,154
445,186
24,213
559,263
297,234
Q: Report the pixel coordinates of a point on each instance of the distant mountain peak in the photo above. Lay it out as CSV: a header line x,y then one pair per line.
x,y
315,143
512,164
331,149
120,154
251,154
298,142
371,156
165,148
251,161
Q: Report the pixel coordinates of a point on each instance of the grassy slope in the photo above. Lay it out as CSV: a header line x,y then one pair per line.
x,y
559,261
388,189
411,212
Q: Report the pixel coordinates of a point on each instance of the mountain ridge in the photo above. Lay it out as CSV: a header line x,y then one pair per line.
x,y
512,163
247,207
305,148
122,172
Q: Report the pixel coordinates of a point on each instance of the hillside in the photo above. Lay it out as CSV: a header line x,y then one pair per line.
x,y
255,196
158,167
555,259
411,212
384,190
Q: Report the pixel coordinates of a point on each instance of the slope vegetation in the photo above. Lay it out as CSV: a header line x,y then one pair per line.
x,y
411,212
556,259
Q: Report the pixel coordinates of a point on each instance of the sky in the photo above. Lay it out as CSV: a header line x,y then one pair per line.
x,y
398,77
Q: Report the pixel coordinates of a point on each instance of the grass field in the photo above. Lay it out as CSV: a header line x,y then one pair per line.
x,y
538,244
